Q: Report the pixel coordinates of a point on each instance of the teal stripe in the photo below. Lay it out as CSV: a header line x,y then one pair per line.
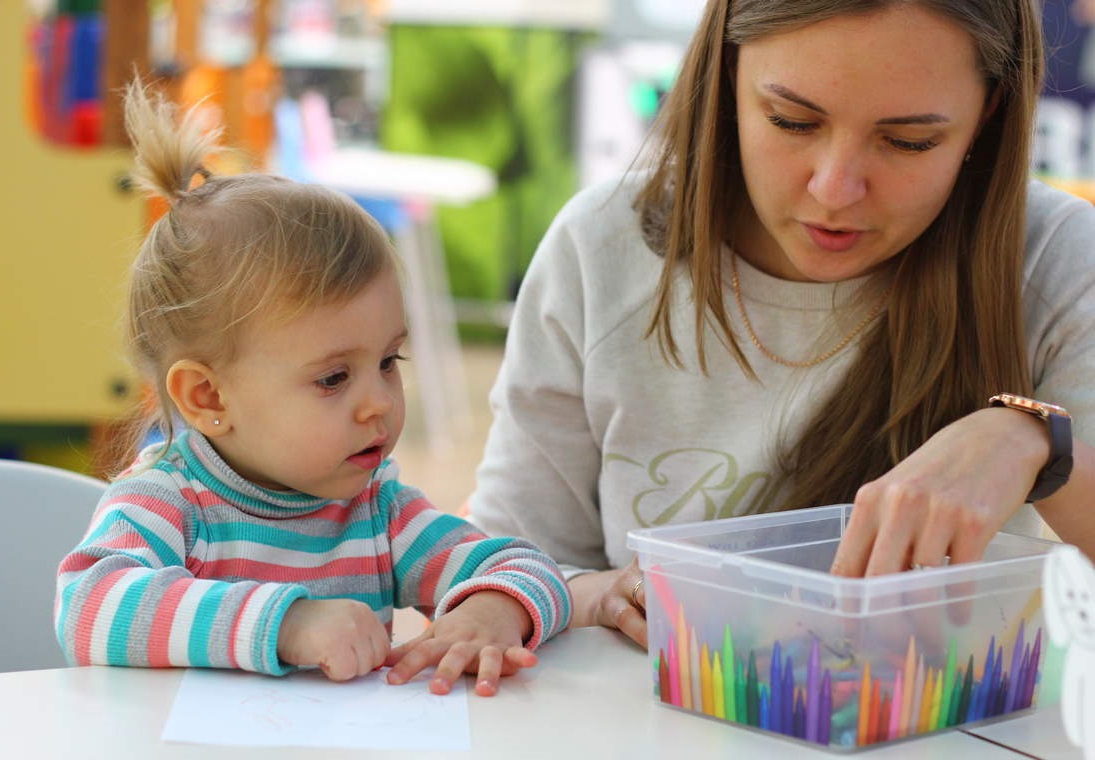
x,y
213,482
201,628
426,542
117,646
270,535
160,548
481,552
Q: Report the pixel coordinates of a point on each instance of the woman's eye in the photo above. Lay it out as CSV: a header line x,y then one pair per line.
x,y
790,125
912,146
333,381
387,364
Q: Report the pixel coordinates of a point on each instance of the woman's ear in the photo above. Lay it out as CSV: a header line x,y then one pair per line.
x,y
193,387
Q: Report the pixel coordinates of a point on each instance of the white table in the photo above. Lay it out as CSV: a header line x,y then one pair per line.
x,y
590,696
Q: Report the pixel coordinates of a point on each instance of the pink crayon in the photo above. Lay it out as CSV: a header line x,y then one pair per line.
x,y
895,709
674,674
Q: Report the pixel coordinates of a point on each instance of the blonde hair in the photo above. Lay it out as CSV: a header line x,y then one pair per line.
x,y
229,251
914,374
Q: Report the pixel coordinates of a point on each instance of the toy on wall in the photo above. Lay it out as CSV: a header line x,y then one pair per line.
x,y
1069,590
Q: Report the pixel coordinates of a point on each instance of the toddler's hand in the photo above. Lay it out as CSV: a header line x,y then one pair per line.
x,y
343,637
481,635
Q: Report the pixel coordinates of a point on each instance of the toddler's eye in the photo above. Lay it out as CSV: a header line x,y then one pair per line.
x,y
387,364
332,381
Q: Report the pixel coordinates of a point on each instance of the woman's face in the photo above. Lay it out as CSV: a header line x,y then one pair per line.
x,y
852,132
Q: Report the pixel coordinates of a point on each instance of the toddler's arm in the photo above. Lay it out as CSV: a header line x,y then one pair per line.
x,y
126,595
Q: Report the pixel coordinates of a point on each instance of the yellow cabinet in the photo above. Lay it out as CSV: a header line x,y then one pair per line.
x,y
68,235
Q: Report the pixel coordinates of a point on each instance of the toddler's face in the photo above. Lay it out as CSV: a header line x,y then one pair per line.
x,y
315,403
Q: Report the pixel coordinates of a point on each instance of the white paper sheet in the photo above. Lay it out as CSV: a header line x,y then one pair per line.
x,y
305,709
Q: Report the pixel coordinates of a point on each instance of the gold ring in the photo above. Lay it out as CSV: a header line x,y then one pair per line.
x,y
635,592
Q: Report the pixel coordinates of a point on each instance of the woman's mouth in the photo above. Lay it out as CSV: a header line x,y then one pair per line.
x,y
832,240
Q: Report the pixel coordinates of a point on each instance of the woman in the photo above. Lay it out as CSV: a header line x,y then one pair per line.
x,y
835,261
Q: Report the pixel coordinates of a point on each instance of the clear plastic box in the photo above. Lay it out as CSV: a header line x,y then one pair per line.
x,y
747,625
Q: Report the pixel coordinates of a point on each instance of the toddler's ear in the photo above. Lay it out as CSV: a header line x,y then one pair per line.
x,y
193,388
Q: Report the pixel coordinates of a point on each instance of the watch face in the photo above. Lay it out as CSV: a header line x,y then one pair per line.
x,y
1040,408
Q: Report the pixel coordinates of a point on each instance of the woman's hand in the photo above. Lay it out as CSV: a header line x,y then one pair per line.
x,y
484,634
343,637
948,498
612,598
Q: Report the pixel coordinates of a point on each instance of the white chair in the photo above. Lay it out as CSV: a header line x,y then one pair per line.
x,y
45,512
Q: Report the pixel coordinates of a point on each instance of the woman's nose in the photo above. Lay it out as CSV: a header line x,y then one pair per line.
x,y
839,177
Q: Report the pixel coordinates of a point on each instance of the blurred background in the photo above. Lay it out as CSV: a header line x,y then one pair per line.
x,y
462,125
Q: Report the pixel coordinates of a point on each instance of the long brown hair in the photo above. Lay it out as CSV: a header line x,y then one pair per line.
x,y
952,334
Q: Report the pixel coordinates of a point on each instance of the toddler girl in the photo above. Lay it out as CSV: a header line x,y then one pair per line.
x,y
270,530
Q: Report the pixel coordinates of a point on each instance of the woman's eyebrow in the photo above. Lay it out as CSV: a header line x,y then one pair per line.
x,y
918,118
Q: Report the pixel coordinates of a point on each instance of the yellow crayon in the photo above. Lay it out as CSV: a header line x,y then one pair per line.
x,y
707,700
718,693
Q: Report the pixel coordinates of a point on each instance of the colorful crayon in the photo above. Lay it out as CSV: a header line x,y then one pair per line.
x,y
764,709
742,707
707,700
825,723
685,660
718,687
948,685
864,706
1016,664
674,675
751,692
775,678
909,683
728,660
813,684
664,692
787,720
694,672
896,707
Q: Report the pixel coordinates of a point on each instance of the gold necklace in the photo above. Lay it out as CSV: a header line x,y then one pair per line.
x,y
874,312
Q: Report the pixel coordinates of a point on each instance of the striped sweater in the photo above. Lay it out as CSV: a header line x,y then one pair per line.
x,y
187,564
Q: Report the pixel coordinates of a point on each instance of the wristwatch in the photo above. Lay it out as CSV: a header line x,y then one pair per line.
x,y
1059,465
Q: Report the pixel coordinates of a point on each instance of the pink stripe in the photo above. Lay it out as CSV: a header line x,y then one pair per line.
x,y
432,575
90,613
268,572
159,635
158,507
76,562
409,511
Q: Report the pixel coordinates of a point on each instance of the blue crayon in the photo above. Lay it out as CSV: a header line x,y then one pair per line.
x,y
1016,664
788,697
775,678
764,709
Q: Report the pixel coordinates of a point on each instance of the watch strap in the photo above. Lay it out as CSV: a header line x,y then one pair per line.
x,y
1058,466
